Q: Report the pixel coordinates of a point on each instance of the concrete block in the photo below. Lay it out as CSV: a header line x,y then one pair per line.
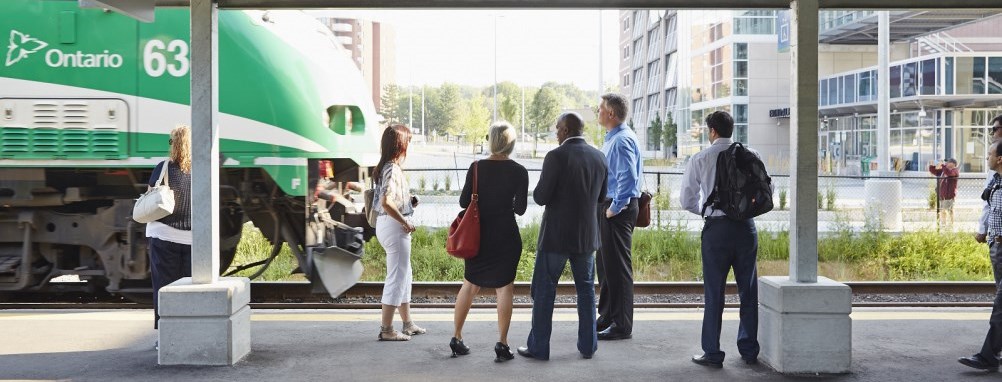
x,y
222,340
222,298
204,324
787,296
805,328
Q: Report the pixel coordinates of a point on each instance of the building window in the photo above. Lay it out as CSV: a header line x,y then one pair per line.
x,y
755,22
626,24
626,52
994,75
741,69
928,83
626,79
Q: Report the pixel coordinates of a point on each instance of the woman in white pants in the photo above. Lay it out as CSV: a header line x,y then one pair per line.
x,y
394,205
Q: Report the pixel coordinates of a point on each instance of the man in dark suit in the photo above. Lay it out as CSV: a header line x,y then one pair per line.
x,y
571,185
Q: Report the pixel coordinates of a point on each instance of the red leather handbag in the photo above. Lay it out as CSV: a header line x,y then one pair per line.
x,y
464,233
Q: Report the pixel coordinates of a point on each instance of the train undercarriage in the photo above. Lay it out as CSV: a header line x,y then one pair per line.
x,y
63,223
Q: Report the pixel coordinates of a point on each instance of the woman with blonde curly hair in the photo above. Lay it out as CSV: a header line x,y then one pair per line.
x,y
169,239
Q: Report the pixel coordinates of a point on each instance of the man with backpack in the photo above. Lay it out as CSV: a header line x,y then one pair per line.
x,y
727,185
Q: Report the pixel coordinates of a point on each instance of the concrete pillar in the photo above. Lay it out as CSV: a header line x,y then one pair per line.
x,y
804,324
804,142
204,142
204,320
883,92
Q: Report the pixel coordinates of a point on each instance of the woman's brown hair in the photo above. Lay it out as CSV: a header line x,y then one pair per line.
x,y
392,146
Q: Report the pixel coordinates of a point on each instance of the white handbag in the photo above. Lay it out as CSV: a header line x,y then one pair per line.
x,y
156,203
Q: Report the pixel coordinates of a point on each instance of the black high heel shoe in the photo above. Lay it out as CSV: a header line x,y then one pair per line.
x,y
503,353
458,347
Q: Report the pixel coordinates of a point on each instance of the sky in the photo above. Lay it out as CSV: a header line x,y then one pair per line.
x,y
533,46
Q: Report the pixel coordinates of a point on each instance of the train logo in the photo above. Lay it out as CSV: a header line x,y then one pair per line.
x,y
21,45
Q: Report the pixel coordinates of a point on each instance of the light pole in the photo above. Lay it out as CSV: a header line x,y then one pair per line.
x,y
495,68
535,137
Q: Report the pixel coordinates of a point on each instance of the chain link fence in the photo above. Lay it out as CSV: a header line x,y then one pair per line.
x,y
842,201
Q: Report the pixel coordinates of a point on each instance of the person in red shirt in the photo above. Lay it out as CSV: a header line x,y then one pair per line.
x,y
946,187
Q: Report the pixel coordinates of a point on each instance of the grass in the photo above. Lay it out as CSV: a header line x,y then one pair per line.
x,y
670,253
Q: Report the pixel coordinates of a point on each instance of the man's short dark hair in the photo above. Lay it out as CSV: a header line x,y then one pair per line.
x,y
573,123
722,122
998,118
616,103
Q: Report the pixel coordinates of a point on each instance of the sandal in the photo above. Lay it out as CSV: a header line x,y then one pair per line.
x,y
389,334
411,329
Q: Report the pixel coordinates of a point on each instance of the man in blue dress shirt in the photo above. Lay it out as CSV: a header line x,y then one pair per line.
x,y
616,218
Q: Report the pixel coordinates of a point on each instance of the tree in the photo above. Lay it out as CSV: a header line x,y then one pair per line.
x,y
510,102
443,108
654,131
452,107
406,97
474,120
545,109
670,133
389,103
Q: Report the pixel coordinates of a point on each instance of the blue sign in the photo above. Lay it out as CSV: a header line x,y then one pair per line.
x,y
783,30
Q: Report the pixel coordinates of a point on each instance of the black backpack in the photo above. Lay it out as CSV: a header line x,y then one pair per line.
x,y
742,188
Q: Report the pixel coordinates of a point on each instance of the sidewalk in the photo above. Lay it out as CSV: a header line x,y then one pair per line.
x,y
888,344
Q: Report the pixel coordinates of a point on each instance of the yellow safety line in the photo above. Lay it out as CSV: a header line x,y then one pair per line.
x,y
446,316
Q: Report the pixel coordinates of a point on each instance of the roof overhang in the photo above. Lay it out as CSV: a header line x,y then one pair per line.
x,y
905,25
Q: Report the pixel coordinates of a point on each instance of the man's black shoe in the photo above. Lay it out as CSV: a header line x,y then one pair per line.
x,y
613,332
976,362
587,356
750,361
601,326
702,360
524,351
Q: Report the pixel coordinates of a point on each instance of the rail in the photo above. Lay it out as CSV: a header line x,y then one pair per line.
x,y
299,295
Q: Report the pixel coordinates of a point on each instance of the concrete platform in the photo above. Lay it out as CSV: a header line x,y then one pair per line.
x,y
888,345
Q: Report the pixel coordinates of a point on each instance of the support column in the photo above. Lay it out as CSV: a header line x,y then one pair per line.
x,y
204,320
804,324
883,93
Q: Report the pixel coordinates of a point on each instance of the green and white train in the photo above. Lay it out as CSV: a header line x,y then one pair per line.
x,y
88,96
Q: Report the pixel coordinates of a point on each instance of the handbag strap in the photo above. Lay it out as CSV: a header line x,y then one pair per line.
x,y
475,196
163,171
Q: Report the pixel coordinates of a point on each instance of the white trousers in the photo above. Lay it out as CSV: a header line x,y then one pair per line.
x,y
397,244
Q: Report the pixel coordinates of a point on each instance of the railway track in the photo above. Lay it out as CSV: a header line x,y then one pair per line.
x,y
302,295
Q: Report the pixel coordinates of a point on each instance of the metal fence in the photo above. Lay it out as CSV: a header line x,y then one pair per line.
x,y
842,201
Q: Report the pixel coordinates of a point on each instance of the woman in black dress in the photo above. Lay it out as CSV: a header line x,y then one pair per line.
x,y
502,186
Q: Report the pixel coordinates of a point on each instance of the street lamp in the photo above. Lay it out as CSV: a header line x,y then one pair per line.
x,y
535,137
495,68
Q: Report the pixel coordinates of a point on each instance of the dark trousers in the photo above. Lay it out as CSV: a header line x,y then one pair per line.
x,y
993,341
547,272
615,266
730,244
169,261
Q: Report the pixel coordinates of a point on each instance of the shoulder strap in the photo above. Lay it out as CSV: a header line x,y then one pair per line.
x,y
163,172
475,180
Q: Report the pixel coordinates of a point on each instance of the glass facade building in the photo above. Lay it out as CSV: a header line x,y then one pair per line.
x,y
928,122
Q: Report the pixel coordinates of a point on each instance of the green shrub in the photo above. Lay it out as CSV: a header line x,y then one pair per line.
x,y
422,183
829,199
448,183
782,199
932,199
672,253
